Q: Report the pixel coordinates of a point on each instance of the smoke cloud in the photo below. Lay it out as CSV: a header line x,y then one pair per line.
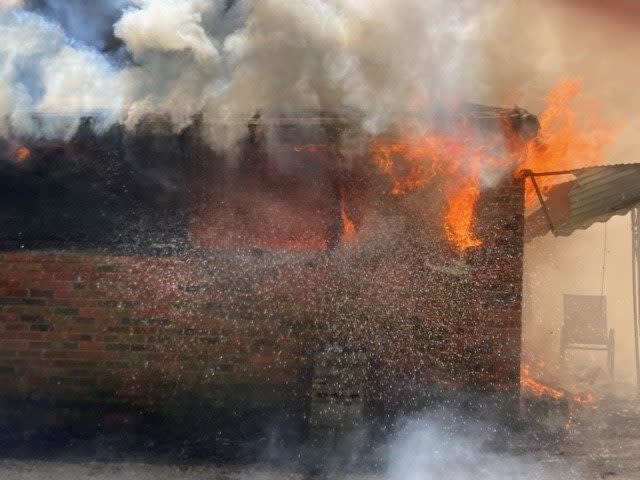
x,y
47,83
122,60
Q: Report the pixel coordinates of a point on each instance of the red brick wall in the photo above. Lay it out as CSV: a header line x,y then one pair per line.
x,y
239,329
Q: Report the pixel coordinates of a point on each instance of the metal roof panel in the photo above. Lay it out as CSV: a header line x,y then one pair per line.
x,y
596,195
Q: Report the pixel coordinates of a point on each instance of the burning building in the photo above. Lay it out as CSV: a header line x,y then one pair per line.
x,y
144,269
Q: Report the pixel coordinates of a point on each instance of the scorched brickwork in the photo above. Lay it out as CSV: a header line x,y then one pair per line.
x,y
240,329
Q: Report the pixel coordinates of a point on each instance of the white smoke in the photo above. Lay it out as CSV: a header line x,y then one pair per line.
x,y
334,54
47,84
167,26
178,62
437,447
226,60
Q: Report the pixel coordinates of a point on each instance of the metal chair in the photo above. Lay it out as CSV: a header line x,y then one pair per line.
x,y
585,327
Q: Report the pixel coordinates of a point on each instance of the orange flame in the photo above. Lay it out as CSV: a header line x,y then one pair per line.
x,y
21,154
584,399
459,216
412,162
348,227
528,383
411,151
539,389
565,140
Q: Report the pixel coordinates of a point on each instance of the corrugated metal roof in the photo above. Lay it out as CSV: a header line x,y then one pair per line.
x,y
596,195
600,193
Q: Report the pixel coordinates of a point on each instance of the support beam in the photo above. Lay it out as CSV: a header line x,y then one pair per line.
x,y
635,266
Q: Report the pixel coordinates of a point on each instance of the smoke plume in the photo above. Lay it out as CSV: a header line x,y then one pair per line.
x,y
120,60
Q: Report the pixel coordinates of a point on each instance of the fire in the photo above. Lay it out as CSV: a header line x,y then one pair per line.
x,y
419,156
565,140
531,385
459,216
584,399
348,227
527,382
21,154
539,389
411,151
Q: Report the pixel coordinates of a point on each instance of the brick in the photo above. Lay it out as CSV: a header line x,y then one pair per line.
x,y
15,326
90,346
159,321
84,382
41,327
81,337
12,344
134,321
108,303
85,320
11,301
108,268
66,310
34,301
60,302
29,353
17,292
118,329
66,276
41,293
145,329
68,354
62,294
70,364
61,380
117,364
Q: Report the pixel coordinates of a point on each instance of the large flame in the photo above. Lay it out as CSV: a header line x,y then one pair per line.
x,y
418,156
459,215
565,141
